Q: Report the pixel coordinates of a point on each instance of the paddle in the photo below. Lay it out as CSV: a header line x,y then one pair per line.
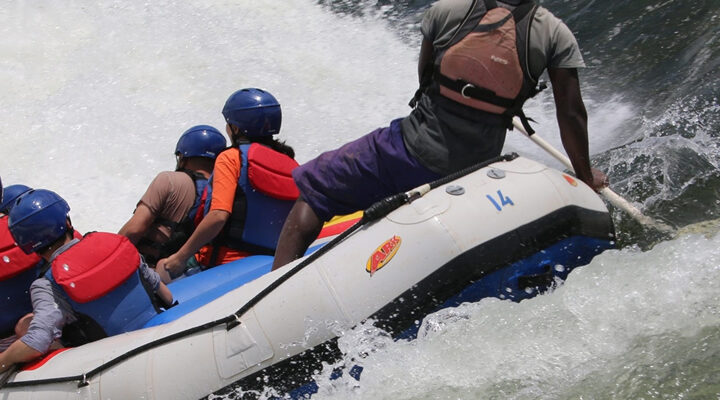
x,y
614,198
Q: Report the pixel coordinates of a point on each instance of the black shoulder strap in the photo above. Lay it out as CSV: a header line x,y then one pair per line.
x,y
192,174
524,15
172,224
465,27
468,23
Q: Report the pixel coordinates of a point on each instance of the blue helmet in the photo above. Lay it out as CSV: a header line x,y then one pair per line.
x,y
255,111
201,141
38,219
9,195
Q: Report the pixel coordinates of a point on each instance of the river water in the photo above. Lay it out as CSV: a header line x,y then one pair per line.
x,y
95,93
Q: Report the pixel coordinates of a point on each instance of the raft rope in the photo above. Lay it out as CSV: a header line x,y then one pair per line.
x,y
376,211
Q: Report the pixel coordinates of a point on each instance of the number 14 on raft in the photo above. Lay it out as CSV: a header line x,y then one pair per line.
x,y
499,200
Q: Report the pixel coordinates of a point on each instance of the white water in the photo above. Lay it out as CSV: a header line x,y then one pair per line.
x,y
625,315
95,93
94,96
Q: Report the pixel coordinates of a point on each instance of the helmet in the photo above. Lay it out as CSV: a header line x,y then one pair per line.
x,y
38,219
10,194
255,111
201,141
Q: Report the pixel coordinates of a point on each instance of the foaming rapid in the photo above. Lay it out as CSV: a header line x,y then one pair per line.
x,y
96,93
624,326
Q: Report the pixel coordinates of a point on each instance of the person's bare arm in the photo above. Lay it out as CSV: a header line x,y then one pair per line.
x,y
301,228
18,352
209,228
572,120
136,227
163,292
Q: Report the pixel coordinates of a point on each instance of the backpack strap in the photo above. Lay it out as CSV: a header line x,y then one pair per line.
x,y
524,14
192,213
428,70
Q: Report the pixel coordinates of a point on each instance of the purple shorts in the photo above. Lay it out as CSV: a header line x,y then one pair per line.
x,y
359,173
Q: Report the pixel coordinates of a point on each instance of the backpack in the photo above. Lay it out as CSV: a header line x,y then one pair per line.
x,y
484,64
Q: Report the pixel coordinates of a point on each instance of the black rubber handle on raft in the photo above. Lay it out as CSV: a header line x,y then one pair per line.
x,y
376,211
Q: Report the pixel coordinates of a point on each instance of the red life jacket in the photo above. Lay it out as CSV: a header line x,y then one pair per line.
x,y
94,266
17,272
13,261
100,277
265,194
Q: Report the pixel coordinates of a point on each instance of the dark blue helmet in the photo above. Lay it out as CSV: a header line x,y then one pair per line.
x,y
201,141
256,112
9,195
38,219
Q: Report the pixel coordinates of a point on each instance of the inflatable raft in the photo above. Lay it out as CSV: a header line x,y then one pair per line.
x,y
508,229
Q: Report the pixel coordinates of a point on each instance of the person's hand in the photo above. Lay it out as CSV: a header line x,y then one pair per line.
x,y
169,267
599,180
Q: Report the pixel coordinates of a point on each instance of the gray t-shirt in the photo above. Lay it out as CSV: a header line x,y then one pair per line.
x,y
445,137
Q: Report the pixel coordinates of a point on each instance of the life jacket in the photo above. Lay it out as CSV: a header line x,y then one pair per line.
x,y
99,276
181,231
484,65
264,196
17,272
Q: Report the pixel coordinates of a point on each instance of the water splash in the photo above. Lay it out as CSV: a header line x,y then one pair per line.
x,y
622,327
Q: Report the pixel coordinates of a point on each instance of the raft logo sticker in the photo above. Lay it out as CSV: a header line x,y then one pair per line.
x,y
570,180
383,254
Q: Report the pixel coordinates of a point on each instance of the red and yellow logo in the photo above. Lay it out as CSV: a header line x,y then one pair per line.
x,y
383,254
570,180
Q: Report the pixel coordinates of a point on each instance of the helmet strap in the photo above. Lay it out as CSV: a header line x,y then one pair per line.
x,y
180,163
237,136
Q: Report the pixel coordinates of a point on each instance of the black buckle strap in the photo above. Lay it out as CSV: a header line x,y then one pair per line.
x,y
525,121
470,91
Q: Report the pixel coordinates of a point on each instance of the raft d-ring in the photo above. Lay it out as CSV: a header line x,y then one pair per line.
x,y
462,91
232,324
83,382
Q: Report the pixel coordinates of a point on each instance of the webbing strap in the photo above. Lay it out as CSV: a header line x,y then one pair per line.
x,y
468,90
